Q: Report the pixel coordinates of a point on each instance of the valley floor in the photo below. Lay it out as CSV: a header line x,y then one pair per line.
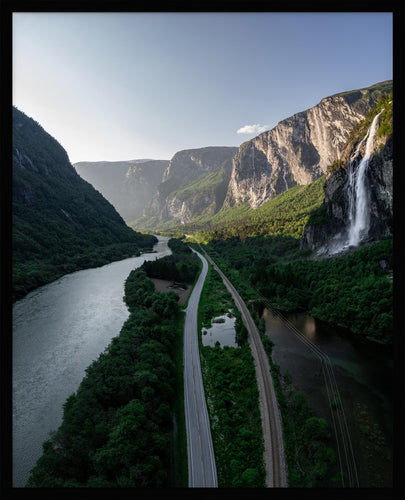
x,y
275,464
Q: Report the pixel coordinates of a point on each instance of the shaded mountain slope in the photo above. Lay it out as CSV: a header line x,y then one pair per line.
x,y
60,222
127,185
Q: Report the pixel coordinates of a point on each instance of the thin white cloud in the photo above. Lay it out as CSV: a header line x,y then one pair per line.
x,y
252,129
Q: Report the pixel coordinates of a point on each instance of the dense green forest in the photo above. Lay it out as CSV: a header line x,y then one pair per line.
x,y
353,291
181,265
60,223
286,215
117,429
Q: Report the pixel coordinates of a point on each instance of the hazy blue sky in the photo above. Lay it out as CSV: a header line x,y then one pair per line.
x,y
124,86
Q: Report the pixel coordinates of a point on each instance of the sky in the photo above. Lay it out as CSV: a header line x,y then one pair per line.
x,y
123,86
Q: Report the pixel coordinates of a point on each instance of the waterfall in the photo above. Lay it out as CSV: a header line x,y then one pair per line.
x,y
285,180
359,198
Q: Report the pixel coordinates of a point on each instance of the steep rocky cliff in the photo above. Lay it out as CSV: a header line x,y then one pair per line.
x,y
194,183
330,227
128,185
299,149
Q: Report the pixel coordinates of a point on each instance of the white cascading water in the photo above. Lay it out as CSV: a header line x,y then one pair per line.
x,y
359,199
285,180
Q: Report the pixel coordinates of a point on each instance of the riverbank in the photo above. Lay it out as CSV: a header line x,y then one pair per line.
x,y
130,439
137,435
58,330
29,274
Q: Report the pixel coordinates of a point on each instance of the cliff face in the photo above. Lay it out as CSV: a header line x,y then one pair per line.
x,y
128,185
332,234
139,187
299,149
194,183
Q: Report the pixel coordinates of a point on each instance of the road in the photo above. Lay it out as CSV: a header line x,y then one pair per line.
x,y
202,471
274,457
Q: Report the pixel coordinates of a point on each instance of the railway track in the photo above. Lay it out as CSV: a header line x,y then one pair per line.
x,y
274,458
274,454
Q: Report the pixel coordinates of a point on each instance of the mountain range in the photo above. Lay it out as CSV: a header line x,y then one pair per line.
x,y
273,184
198,185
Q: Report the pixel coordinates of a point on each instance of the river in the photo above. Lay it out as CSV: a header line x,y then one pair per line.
x,y
58,330
363,372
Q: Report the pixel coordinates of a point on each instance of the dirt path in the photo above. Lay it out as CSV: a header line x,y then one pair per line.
x,y
166,286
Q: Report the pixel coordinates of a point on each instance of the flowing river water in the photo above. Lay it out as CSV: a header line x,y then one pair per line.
x,y
58,330
364,376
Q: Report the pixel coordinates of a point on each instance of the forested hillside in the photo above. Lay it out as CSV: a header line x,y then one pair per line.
x,y
354,290
60,222
286,215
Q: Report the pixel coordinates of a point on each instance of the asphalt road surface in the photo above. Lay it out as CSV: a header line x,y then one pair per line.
x,y
202,471
274,457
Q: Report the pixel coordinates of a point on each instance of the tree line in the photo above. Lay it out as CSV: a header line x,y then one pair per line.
x,y
182,265
117,429
354,291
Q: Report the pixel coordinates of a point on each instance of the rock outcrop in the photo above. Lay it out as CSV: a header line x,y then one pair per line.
x,y
331,233
299,149
194,183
